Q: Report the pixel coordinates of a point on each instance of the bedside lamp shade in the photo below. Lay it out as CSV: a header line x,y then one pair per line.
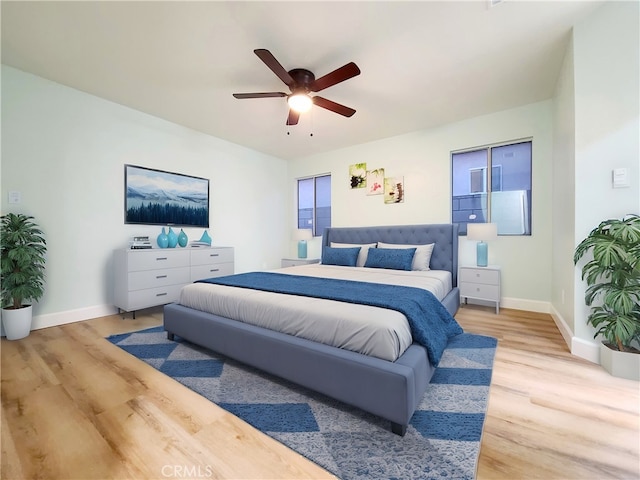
x,y
482,232
302,235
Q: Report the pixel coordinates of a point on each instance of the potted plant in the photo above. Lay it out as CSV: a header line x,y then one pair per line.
x,y
22,258
613,293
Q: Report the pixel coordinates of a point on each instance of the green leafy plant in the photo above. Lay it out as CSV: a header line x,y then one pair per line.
x,y
22,258
613,278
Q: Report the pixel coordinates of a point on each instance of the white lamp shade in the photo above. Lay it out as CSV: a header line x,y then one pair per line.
x,y
302,234
482,231
299,102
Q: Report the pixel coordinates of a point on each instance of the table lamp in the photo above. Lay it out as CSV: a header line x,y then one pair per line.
x,y
302,235
482,232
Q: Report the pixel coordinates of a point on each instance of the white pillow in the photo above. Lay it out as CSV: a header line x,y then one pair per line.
x,y
421,258
364,249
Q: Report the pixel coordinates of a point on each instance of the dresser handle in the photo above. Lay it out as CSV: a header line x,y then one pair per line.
x,y
477,274
161,276
214,270
214,254
161,294
161,258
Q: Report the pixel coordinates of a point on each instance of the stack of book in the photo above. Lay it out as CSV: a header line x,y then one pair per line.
x,y
140,243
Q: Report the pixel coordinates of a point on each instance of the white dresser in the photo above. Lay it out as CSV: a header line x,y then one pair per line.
x,y
480,283
146,278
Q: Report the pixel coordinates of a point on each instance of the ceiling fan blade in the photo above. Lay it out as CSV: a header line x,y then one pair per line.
x,y
341,74
293,117
271,62
260,95
333,106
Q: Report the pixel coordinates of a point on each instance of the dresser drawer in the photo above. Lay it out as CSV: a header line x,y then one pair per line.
x,y
158,278
207,256
153,296
478,275
199,272
480,291
157,259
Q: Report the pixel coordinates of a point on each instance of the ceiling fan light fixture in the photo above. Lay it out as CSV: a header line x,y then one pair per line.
x,y
299,102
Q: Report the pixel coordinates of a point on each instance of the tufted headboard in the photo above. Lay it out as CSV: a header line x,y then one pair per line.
x,y
444,235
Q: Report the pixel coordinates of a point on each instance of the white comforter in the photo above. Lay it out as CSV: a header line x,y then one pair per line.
x,y
374,331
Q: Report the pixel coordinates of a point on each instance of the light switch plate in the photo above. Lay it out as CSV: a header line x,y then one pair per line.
x,y
620,178
14,197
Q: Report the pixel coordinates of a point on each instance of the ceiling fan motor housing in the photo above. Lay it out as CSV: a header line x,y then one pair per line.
x,y
302,80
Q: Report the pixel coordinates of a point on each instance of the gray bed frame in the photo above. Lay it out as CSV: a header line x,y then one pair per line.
x,y
391,390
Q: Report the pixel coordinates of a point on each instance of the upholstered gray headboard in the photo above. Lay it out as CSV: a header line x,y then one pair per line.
x,y
444,235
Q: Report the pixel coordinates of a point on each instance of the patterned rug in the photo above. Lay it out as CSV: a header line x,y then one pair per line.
x,y
442,440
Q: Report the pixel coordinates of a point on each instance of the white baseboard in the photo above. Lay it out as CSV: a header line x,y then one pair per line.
x,y
577,346
585,349
524,304
71,316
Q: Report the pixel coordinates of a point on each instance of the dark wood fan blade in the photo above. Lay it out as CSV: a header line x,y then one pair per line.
x,y
260,95
343,73
293,117
271,62
333,106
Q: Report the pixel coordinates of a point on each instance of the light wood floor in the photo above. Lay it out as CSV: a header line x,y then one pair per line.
x,y
76,407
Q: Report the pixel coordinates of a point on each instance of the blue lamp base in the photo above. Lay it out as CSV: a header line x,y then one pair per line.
x,y
482,252
302,249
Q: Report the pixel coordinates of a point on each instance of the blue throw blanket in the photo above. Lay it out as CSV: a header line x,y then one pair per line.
x,y
431,323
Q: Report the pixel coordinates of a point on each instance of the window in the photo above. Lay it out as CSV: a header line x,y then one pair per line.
x,y
493,184
314,203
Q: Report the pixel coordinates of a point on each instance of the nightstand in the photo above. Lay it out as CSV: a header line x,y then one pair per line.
x,y
294,262
480,283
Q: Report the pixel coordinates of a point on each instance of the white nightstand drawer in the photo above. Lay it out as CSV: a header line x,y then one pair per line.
x,y
158,278
480,275
200,272
295,262
206,256
480,291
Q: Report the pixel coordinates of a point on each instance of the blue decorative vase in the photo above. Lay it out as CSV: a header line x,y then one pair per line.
x,y
205,238
163,239
173,238
182,238
302,249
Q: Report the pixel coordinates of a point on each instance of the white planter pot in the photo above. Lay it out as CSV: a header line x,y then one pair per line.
x,y
17,323
620,364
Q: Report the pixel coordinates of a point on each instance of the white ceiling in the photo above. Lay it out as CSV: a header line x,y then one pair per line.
x,y
423,63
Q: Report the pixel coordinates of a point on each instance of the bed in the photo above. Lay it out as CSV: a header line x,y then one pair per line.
x,y
387,387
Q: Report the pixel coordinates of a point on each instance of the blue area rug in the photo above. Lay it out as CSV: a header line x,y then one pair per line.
x,y
442,440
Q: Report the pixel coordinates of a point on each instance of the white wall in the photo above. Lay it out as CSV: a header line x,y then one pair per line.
x,y
423,158
607,127
64,151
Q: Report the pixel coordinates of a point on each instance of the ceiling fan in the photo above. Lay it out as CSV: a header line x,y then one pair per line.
x,y
301,82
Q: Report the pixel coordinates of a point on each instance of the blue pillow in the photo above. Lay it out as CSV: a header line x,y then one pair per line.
x,y
346,257
393,258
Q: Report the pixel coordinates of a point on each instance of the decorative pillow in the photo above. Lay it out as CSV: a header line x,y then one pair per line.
x,y
394,258
364,248
346,257
421,259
